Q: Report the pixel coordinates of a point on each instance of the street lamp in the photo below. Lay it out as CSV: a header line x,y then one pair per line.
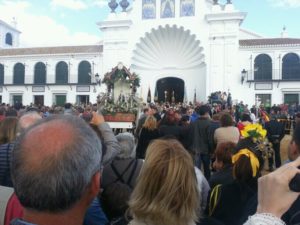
x,y
243,75
97,79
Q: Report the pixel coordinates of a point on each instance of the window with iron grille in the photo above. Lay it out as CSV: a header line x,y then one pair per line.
x,y
263,67
61,73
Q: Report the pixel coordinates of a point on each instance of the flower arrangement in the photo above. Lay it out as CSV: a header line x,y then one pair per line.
x,y
254,131
126,103
257,134
121,74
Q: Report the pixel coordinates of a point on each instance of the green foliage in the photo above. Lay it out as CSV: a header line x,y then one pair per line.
x,y
122,75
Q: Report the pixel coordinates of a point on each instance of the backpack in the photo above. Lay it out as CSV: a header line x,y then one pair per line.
x,y
115,196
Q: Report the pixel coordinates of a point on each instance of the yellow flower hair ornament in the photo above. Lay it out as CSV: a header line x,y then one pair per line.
x,y
253,159
254,130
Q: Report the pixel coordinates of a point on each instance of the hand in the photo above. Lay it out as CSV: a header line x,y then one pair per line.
x,y
274,194
97,119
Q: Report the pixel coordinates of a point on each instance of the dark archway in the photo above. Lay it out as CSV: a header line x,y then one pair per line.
x,y
19,73
170,89
61,73
291,67
263,67
8,39
40,73
84,72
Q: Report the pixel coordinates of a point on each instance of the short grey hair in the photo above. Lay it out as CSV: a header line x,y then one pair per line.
x,y
126,141
62,178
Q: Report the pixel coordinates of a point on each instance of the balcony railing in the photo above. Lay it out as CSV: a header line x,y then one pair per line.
x,y
276,75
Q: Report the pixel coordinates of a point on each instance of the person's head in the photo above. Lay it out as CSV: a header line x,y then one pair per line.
x,y
226,120
153,109
223,155
166,190
68,105
27,120
8,130
126,142
246,117
11,112
55,165
294,148
150,123
177,115
146,110
169,118
203,110
216,117
247,160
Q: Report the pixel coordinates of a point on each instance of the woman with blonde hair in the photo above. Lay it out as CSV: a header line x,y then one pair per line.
x,y
166,192
8,130
148,132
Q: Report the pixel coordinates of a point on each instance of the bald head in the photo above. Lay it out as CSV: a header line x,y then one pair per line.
x,y
27,120
54,162
46,142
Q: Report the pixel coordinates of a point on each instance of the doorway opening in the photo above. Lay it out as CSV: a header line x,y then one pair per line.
x,y
60,99
169,89
83,99
38,100
17,99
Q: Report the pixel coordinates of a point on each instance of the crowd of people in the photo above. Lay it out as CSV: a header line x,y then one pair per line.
x,y
183,164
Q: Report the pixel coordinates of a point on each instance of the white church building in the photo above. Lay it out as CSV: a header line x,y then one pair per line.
x,y
185,47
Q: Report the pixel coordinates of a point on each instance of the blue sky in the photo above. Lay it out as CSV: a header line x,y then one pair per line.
x,y
67,22
267,17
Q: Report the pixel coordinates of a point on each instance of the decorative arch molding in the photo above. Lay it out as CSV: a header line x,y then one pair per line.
x,y
168,48
84,72
19,73
263,67
291,66
61,73
39,73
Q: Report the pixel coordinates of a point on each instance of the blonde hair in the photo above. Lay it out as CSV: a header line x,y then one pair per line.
x,y
166,192
8,130
150,123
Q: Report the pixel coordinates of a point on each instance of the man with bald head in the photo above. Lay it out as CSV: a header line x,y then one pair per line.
x,y
56,171
27,120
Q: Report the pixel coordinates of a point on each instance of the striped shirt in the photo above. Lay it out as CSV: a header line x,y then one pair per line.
x,y
5,157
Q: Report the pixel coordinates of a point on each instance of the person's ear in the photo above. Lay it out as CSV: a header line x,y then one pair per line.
x,y
95,184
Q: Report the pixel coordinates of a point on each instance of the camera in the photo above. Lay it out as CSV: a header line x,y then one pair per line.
x,y
294,184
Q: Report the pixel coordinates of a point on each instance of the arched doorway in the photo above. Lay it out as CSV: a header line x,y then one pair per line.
x,y
170,89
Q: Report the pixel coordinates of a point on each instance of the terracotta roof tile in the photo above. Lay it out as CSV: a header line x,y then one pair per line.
x,y
269,41
51,50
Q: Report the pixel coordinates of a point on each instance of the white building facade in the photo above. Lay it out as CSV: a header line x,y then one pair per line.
x,y
179,48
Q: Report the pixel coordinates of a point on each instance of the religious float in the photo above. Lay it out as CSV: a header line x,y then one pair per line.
x,y
120,105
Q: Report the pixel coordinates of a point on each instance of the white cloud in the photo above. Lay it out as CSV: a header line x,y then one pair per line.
x,y
100,3
41,30
69,4
285,3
